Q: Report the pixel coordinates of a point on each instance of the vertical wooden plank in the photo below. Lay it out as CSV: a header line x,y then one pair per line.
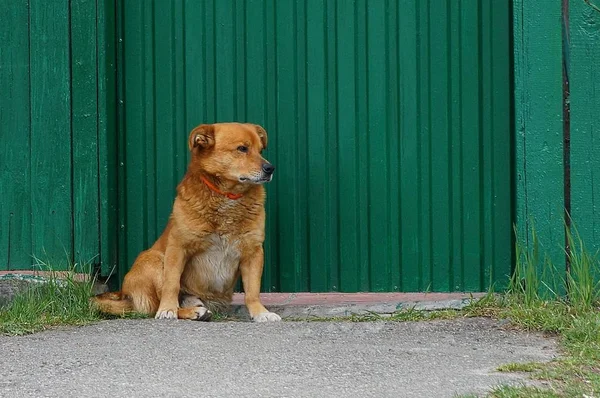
x,y
84,97
539,131
584,83
15,179
107,135
51,182
440,146
409,69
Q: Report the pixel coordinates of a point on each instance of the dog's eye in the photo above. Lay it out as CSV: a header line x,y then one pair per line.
x,y
242,149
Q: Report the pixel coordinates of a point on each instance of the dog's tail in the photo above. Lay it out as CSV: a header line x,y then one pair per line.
x,y
113,303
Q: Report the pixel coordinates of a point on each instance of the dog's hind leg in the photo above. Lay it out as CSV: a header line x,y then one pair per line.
x,y
191,307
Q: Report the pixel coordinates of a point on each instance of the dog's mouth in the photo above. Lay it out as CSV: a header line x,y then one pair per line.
x,y
256,180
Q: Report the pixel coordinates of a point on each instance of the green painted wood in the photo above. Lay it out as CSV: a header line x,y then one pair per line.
x,y
15,145
539,129
107,138
49,124
84,131
388,122
51,172
584,83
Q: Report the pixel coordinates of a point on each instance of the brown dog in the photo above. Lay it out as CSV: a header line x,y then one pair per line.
x,y
215,233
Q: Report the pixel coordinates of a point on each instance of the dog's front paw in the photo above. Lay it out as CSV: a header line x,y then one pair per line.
x,y
267,317
166,313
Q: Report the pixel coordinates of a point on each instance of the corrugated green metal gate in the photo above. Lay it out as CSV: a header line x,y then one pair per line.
x,y
389,123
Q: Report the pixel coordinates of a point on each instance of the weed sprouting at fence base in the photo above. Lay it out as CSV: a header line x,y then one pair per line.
x,y
60,299
536,278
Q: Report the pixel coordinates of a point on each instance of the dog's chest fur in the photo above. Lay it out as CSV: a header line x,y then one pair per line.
x,y
218,263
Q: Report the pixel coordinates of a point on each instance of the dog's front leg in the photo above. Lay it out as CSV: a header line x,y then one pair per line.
x,y
251,267
172,270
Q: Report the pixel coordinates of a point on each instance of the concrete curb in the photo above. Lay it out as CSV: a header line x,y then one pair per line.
x,y
329,305
290,305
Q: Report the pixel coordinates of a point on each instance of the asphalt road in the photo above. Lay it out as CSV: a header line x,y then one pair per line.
x,y
151,358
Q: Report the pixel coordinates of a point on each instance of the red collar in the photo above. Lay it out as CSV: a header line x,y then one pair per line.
x,y
212,187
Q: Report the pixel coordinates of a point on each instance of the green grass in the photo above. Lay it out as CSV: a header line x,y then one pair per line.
x,y
49,303
540,298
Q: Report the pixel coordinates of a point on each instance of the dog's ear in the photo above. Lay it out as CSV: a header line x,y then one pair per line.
x,y
262,134
202,136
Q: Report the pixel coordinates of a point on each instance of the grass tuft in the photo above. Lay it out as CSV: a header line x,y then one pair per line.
x,y
52,302
566,304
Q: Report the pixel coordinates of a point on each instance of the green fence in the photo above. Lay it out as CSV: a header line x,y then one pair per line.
x,y
557,102
55,117
389,124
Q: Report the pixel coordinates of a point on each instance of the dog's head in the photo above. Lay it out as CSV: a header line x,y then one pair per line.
x,y
231,151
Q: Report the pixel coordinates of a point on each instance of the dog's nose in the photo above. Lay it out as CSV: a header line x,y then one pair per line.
x,y
268,168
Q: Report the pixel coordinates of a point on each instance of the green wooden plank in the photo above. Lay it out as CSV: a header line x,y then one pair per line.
x,y
501,93
584,83
470,37
409,147
15,179
51,183
347,156
539,130
440,144
107,137
84,100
